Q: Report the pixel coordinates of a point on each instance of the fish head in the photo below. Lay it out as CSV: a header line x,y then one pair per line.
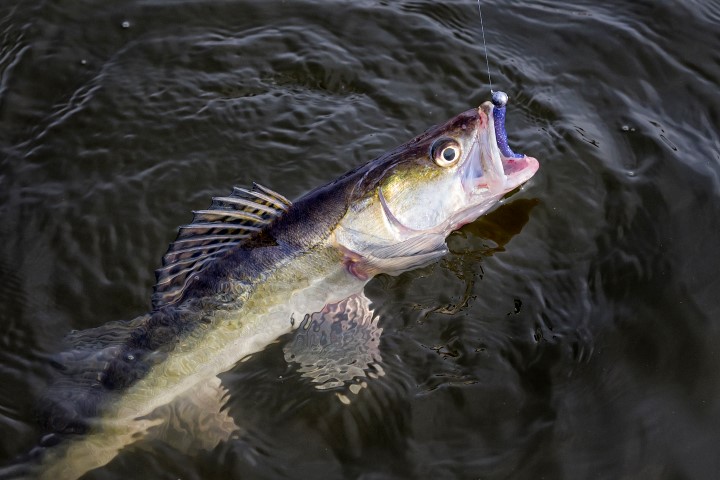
x,y
407,201
451,175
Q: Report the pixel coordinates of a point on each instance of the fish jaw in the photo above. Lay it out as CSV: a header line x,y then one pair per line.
x,y
491,171
519,170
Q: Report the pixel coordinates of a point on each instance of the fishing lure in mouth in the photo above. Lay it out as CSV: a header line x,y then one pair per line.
x,y
499,101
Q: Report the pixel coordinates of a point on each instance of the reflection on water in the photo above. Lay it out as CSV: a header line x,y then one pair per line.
x,y
338,346
571,334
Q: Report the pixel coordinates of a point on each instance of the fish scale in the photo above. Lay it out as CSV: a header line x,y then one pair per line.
x,y
253,267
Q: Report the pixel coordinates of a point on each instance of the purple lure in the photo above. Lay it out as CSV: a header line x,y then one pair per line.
x,y
499,100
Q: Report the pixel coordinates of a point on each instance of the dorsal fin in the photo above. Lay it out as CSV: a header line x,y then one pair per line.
x,y
229,222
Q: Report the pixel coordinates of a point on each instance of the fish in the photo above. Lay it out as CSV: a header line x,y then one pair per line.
x,y
254,267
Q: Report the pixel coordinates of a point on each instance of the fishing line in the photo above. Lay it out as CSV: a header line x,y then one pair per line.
x,y
482,29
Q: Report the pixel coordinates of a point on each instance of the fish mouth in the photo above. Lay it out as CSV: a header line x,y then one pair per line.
x,y
495,168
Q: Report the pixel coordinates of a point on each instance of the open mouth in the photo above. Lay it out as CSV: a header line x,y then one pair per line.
x,y
503,169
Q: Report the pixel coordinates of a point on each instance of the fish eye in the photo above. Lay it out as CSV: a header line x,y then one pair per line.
x,y
445,152
449,153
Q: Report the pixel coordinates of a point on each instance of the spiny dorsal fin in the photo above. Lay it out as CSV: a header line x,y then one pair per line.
x,y
229,222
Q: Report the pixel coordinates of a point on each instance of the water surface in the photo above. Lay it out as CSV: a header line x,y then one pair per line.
x,y
573,333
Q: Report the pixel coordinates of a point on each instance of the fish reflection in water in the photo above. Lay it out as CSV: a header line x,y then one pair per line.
x,y
254,267
338,346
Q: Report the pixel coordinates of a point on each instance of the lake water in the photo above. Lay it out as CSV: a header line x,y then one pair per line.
x,y
573,333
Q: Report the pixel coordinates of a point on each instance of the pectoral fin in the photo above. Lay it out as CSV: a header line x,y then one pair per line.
x,y
412,253
365,261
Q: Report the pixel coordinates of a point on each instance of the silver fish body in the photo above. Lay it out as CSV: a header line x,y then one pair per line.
x,y
253,266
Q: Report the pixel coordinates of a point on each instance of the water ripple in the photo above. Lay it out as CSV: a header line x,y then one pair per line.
x,y
573,327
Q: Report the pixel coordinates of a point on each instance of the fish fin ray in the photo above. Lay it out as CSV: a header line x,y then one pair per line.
x,y
417,245
187,242
397,265
228,223
77,387
396,258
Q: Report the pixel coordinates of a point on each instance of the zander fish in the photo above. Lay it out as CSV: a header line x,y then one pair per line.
x,y
254,266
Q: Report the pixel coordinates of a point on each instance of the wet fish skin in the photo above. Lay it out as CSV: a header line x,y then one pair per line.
x,y
387,216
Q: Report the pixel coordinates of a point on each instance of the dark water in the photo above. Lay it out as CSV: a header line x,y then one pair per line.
x,y
573,333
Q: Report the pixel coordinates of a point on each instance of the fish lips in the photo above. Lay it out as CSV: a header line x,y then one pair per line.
x,y
488,172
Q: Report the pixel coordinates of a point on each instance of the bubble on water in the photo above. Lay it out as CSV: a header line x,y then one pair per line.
x,y
125,24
